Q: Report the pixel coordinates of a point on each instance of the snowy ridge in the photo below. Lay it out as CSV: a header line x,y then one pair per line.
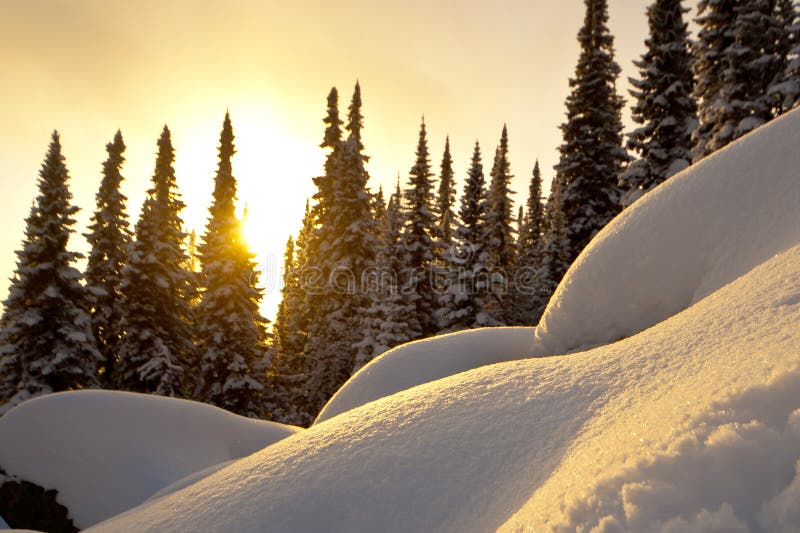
x,y
107,451
690,423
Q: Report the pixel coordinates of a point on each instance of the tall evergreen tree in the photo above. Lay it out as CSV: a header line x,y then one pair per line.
x,y
468,288
528,301
46,338
785,89
230,329
157,347
664,107
716,19
419,246
109,237
499,249
347,241
553,258
591,155
281,327
385,322
753,63
446,199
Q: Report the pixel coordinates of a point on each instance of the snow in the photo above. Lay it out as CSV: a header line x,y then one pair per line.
x,y
106,452
690,422
427,360
3,524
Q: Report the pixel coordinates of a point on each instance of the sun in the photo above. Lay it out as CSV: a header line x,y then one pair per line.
x,y
273,168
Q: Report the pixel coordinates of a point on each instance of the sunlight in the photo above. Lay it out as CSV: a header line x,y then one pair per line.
x,y
273,168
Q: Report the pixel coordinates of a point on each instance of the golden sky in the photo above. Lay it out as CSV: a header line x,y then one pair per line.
x,y
90,67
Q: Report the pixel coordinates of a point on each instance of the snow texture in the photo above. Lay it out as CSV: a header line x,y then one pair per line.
x,y
106,452
427,360
690,425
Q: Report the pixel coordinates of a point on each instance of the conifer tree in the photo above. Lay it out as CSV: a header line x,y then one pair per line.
x,y
499,248
385,322
346,237
553,258
469,274
157,347
716,19
280,327
591,155
785,89
419,246
445,219
753,62
231,331
528,303
46,338
109,238
664,107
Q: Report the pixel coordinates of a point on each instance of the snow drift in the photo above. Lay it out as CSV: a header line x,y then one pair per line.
x,y
700,230
691,422
106,452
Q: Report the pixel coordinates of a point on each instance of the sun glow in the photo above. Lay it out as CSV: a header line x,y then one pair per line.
x,y
273,168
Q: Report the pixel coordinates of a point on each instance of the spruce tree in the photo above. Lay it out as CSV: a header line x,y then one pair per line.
x,y
469,274
498,235
385,322
664,107
280,326
230,329
553,257
785,89
528,302
419,245
591,155
716,19
157,346
445,219
109,238
347,242
753,62
46,338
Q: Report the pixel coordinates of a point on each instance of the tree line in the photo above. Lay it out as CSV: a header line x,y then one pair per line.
x,y
156,311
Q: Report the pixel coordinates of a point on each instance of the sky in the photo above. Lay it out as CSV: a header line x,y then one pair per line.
x,y
90,67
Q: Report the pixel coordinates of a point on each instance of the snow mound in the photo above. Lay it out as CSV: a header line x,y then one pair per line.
x,y
106,452
509,444
689,425
427,360
695,233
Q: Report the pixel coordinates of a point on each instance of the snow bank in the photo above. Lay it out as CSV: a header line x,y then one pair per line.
x,y
515,441
689,425
698,231
427,360
106,452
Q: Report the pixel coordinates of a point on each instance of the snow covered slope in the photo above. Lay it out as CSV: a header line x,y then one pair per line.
x,y
106,452
427,360
689,237
692,424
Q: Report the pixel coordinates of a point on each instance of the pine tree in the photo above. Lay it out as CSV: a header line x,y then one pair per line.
x,y
157,347
419,247
553,257
231,331
281,327
46,338
347,241
499,248
445,219
785,89
385,322
716,19
469,274
528,303
664,107
753,62
109,237
591,155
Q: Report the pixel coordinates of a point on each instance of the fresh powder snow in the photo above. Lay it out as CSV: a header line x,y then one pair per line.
x,y
106,452
688,421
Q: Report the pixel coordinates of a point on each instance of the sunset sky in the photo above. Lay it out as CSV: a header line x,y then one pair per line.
x,y
90,67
